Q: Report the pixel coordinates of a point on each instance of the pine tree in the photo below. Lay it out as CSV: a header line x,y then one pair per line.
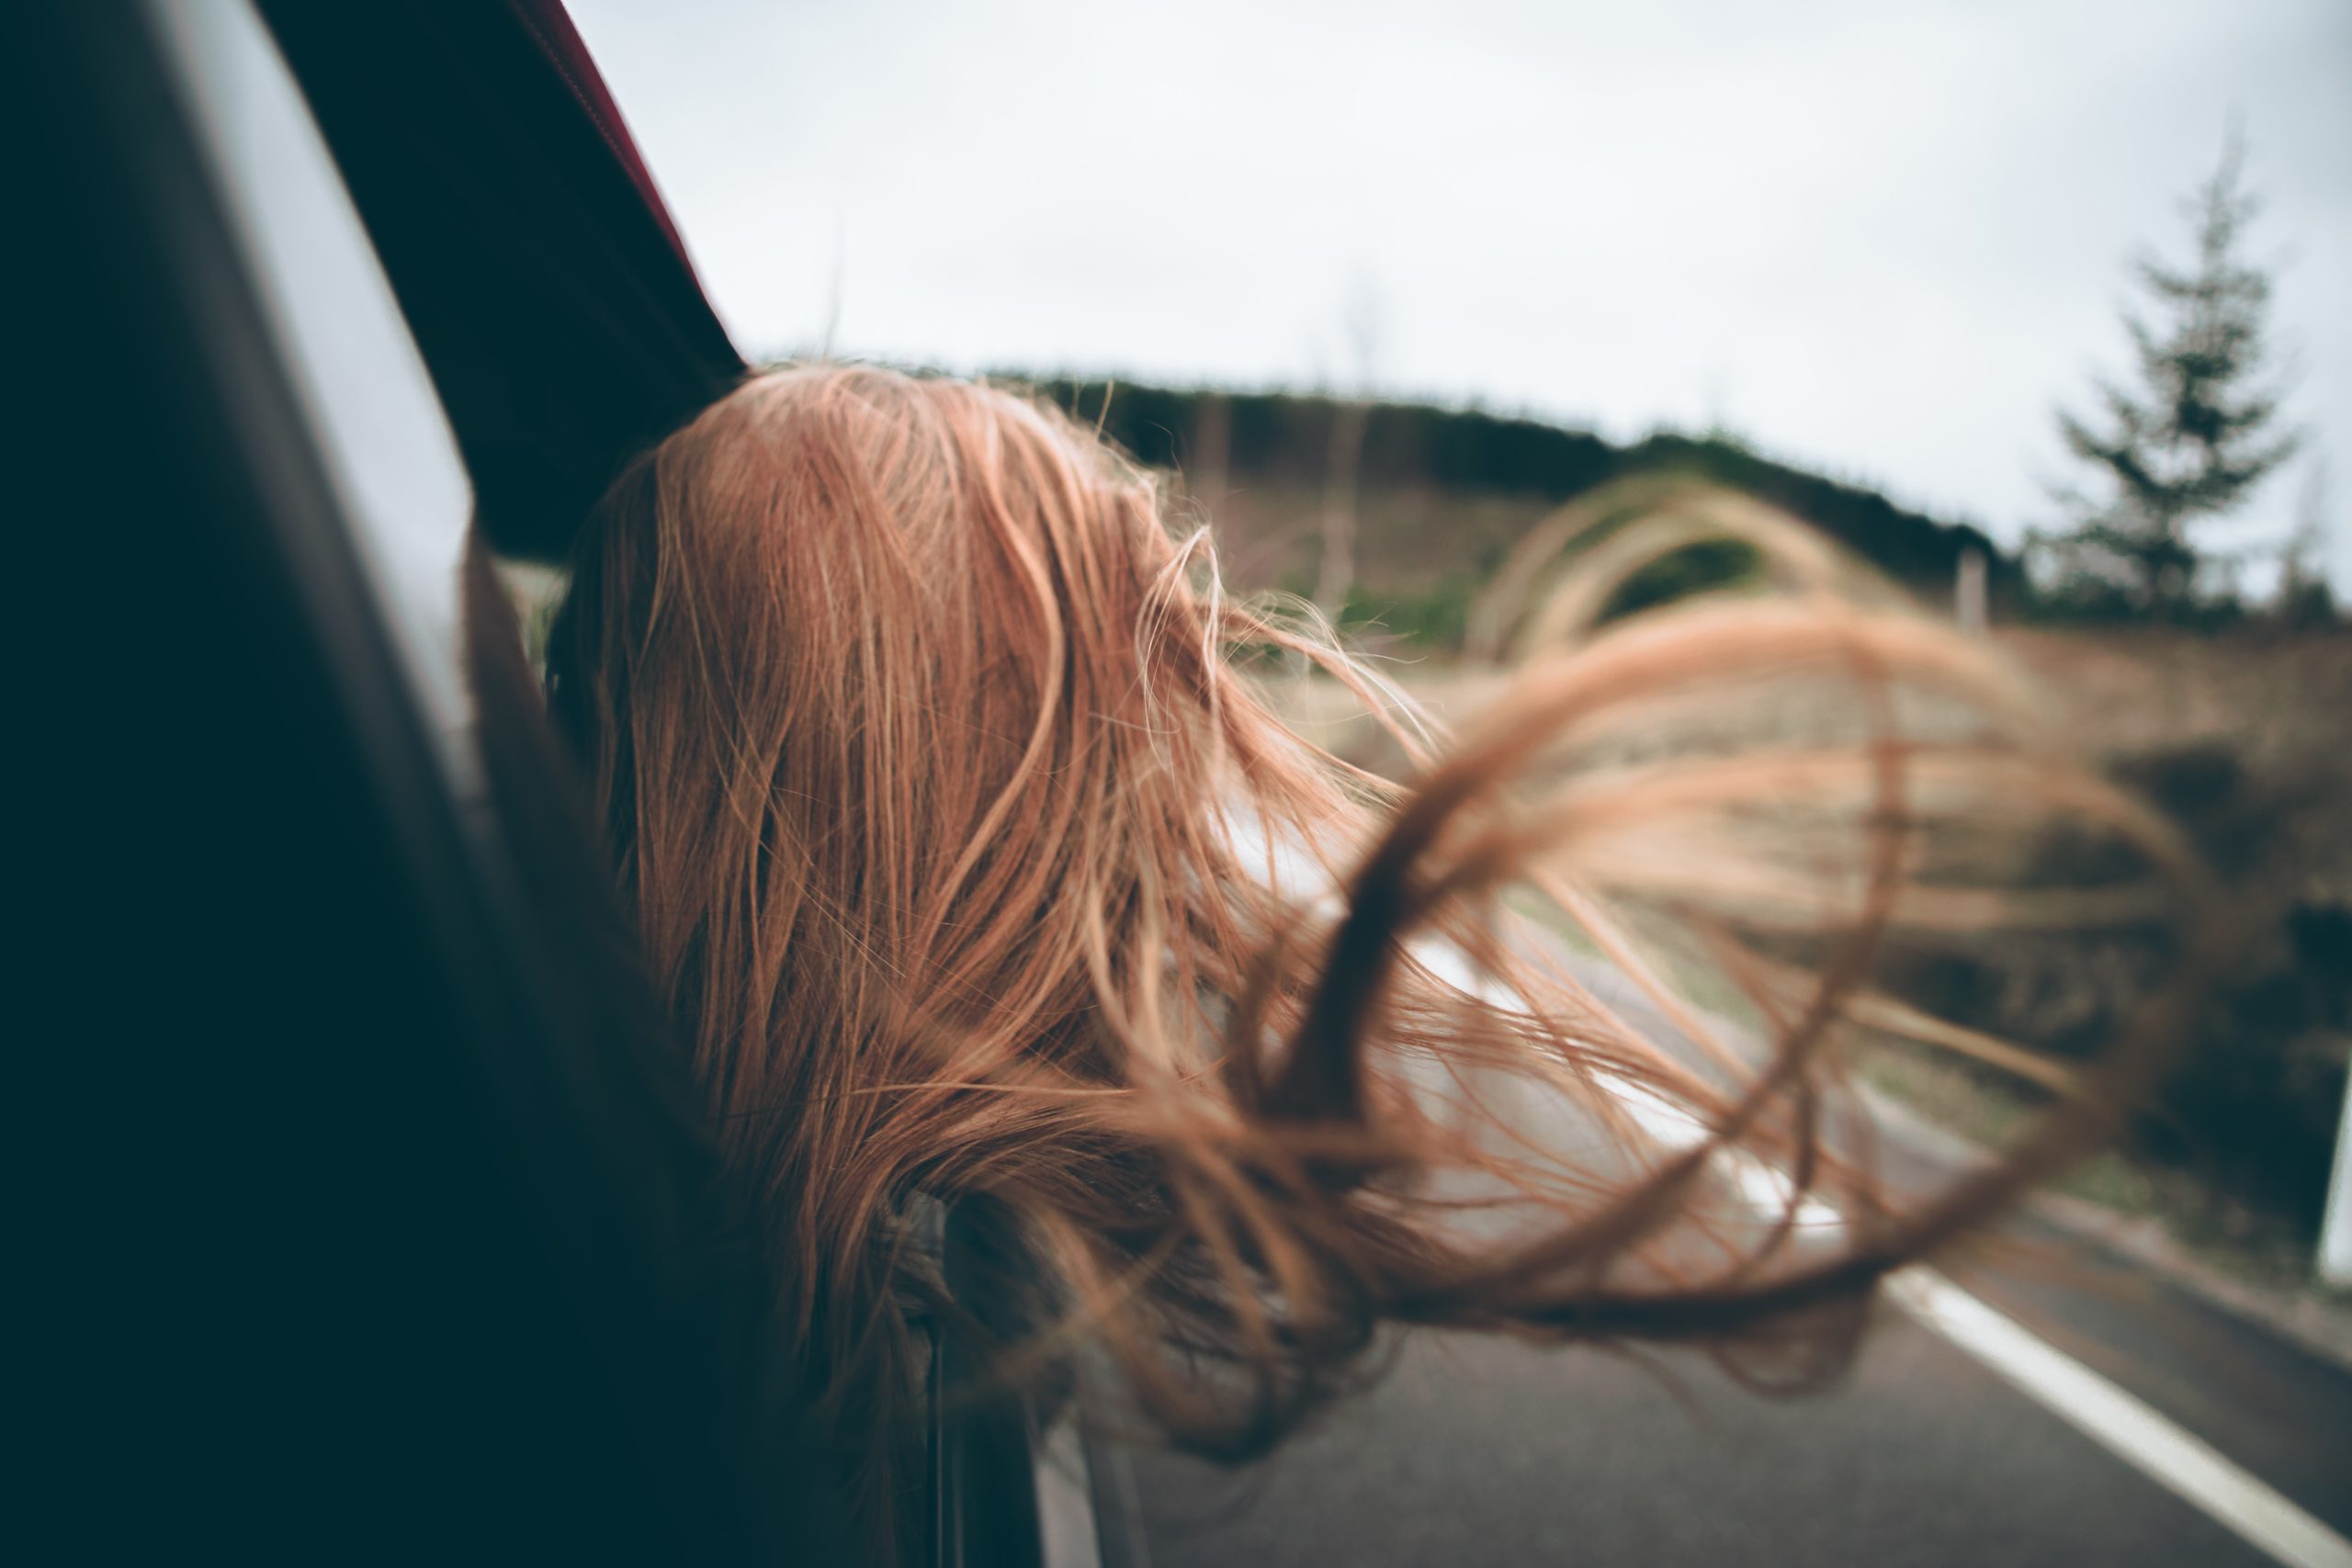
x,y
2196,433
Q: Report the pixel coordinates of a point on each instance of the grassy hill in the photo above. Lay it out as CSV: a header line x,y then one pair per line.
x,y
2244,736
1443,493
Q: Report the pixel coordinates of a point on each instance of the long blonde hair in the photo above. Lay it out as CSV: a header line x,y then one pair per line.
x,y
975,863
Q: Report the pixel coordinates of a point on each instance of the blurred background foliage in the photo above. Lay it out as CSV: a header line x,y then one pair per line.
x,y
2234,717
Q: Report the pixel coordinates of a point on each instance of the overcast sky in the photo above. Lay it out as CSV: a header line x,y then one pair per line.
x,y
1882,238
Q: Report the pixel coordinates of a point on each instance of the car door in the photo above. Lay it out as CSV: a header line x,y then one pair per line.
x,y
365,1234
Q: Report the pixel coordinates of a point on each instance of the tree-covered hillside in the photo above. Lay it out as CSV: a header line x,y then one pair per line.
x,y
1442,493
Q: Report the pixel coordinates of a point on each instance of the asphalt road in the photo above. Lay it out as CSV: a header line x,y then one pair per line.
x,y
1481,1451
1477,1450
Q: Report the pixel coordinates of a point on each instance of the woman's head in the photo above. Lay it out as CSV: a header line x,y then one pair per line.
x,y
944,821
976,864
916,736
854,655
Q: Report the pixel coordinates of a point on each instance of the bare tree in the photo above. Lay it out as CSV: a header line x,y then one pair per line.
x,y
1350,414
1208,475
834,290
2305,599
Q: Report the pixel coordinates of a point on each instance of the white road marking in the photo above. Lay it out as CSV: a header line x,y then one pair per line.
x,y
2183,1464
1069,1534
2179,1461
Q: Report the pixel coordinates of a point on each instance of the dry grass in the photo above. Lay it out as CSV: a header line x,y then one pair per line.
x,y
2247,739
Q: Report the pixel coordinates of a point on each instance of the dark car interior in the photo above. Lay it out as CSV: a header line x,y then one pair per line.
x,y
409,1241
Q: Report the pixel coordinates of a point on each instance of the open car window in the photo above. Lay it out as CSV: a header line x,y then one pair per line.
x,y
405,1245
368,403
471,1278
